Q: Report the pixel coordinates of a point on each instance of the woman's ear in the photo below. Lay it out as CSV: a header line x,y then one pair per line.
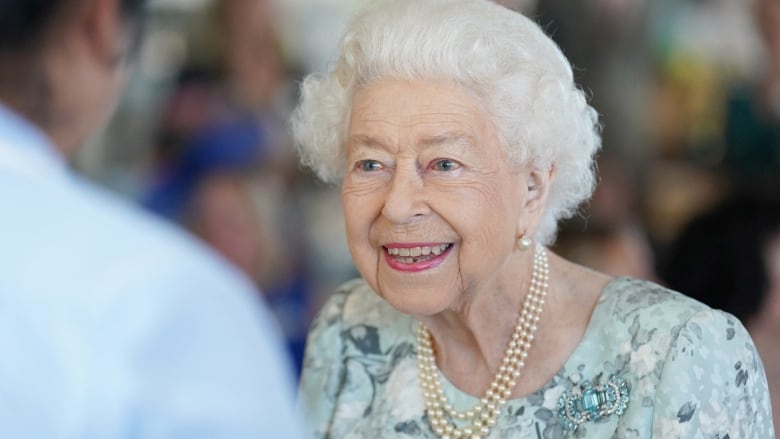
x,y
538,187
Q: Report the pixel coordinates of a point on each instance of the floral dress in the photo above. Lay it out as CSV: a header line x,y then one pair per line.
x,y
687,371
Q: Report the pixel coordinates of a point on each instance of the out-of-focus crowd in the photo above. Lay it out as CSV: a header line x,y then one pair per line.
x,y
689,96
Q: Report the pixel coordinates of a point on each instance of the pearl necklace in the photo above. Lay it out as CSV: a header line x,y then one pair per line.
x,y
483,415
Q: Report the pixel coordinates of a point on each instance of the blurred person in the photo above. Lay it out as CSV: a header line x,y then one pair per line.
x,y
222,213
113,324
226,169
608,237
613,249
228,108
227,116
729,258
459,139
240,214
753,110
605,41
768,13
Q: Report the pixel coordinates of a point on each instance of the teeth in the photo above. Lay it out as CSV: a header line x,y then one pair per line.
x,y
415,252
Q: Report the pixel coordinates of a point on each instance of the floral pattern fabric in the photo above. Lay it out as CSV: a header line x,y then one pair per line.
x,y
693,372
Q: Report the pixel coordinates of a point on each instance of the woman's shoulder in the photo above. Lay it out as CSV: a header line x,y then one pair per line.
x,y
357,303
639,312
635,314
694,365
629,300
361,313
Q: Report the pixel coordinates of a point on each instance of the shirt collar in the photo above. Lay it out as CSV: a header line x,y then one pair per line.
x,y
25,149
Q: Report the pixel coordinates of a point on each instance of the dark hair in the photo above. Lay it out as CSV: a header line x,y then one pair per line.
x,y
24,22
719,259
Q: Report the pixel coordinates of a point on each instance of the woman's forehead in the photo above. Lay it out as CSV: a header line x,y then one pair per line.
x,y
437,112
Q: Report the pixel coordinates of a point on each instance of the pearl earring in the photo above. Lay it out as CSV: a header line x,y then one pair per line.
x,y
524,242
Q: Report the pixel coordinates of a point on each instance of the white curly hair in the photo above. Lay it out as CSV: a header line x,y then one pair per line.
x,y
521,76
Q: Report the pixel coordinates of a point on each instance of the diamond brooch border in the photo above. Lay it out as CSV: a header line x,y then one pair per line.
x,y
590,403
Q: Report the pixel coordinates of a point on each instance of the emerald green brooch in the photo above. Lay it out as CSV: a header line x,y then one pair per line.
x,y
589,403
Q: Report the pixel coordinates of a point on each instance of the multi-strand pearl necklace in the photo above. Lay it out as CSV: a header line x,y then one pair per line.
x,y
481,417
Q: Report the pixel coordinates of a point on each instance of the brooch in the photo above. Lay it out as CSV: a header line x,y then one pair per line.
x,y
589,403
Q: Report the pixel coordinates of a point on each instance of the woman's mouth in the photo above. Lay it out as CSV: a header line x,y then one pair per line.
x,y
416,258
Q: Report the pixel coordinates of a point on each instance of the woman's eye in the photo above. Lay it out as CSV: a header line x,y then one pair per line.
x,y
445,165
368,165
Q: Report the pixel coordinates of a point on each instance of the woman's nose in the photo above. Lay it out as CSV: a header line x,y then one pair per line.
x,y
405,198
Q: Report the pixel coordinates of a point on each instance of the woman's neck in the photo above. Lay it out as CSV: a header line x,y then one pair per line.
x,y
470,338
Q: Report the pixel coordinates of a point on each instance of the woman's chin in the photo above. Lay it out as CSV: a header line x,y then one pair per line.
x,y
418,285
417,302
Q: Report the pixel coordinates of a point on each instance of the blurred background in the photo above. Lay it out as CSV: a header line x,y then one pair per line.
x,y
689,97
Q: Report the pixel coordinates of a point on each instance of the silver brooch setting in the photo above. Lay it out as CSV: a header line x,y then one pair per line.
x,y
590,403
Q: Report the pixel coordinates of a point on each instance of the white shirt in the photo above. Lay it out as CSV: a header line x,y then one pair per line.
x,y
116,325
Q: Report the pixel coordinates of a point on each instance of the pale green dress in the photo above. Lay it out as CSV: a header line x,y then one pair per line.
x,y
692,372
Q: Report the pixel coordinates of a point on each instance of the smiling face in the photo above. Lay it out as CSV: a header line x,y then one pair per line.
x,y
432,206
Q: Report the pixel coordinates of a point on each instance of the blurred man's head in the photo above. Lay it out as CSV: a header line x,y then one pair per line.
x,y
768,12
63,62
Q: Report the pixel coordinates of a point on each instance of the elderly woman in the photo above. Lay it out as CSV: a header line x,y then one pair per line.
x,y
459,140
